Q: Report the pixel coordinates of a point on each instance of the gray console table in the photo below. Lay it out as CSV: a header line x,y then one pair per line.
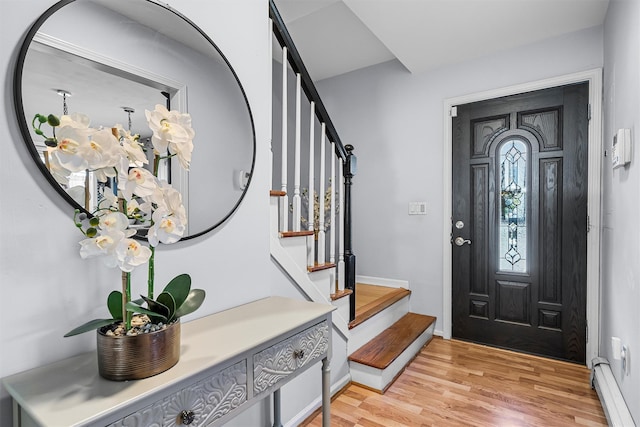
x,y
229,361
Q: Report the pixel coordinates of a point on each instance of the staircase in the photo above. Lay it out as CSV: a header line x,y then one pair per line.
x,y
311,241
379,362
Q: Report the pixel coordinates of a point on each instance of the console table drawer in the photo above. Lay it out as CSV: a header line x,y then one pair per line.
x,y
202,403
282,359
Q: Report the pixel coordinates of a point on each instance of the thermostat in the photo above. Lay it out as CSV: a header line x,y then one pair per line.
x,y
621,150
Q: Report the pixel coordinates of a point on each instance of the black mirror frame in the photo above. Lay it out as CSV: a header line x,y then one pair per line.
x,y
24,125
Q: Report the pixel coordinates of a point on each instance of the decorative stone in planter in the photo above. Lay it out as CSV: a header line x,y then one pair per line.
x,y
133,357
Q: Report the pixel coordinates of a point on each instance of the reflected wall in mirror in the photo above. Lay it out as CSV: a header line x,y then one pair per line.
x,y
115,54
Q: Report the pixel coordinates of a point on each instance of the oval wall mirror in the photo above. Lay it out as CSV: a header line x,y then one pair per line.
x,y
114,59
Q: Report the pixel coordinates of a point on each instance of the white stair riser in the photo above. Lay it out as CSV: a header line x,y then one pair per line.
x,y
323,279
365,332
342,305
297,249
379,379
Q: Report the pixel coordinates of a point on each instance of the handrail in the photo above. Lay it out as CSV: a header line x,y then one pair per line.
x,y
284,38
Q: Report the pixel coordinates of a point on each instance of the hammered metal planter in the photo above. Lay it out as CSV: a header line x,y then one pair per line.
x,y
135,357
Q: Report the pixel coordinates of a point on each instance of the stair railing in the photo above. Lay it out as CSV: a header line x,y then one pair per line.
x,y
340,175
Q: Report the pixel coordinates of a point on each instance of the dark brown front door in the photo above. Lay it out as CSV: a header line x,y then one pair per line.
x,y
520,216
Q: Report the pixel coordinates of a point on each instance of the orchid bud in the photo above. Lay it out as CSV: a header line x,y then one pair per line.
x,y
53,121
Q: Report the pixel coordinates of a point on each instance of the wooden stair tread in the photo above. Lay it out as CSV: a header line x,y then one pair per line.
x,y
319,267
382,350
368,311
277,193
284,234
341,294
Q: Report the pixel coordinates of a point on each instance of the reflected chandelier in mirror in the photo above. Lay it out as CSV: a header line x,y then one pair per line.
x,y
114,59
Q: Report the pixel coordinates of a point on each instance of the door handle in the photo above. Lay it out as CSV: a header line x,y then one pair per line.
x,y
459,241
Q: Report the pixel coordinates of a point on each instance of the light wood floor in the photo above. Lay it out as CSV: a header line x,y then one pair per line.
x,y
454,383
372,299
367,294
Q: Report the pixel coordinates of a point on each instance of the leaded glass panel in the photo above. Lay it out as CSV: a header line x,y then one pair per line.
x,y
514,159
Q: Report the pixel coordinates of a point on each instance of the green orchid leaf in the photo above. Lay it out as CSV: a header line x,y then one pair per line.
x,y
179,288
156,307
91,326
166,299
136,308
192,303
114,304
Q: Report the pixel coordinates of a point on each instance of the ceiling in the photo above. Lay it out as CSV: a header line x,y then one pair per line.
x,y
338,36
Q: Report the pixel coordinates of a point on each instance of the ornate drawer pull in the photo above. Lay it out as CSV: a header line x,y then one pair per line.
x,y
298,354
187,417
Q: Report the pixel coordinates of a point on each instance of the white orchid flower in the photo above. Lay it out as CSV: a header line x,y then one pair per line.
x,y
114,245
172,132
169,217
131,145
173,202
132,207
114,221
129,254
75,120
59,173
103,246
103,153
68,154
167,228
96,246
139,182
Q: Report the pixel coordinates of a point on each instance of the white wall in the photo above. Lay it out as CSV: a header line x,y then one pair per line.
x,y
621,197
46,288
394,120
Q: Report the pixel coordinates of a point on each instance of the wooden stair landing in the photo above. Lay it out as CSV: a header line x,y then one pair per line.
x,y
372,299
386,347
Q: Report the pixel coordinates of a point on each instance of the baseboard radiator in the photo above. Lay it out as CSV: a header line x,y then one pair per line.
x,y
613,404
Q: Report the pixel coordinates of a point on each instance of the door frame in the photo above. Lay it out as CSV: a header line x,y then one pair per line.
x,y
594,200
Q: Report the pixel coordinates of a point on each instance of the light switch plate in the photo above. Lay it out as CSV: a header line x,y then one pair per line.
x,y
417,208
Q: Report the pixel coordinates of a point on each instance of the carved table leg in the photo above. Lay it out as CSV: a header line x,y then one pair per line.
x,y
277,415
326,393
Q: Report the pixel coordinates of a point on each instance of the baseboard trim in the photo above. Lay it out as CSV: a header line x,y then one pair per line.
x,y
304,415
391,283
611,399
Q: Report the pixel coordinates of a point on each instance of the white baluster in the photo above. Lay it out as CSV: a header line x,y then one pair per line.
x,y
321,233
296,162
284,200
341,277
311,247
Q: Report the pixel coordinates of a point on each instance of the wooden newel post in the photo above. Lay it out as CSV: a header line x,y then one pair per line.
x,y
349,257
